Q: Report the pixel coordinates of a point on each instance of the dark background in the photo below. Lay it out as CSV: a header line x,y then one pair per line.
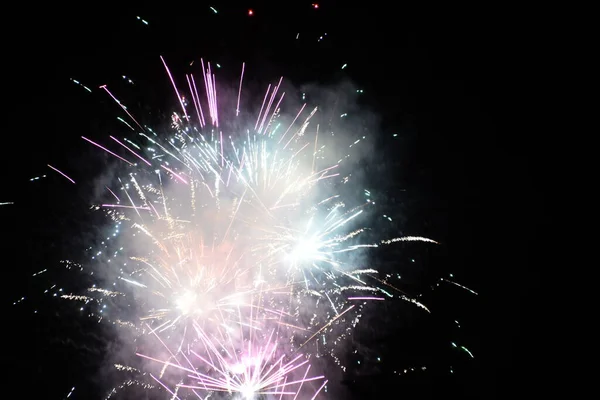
x,y
453,84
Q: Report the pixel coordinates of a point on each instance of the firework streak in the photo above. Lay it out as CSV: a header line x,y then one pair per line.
x,y
235,248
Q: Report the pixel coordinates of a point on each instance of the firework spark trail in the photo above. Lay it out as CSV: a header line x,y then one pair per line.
x,y
237,108
409,239
131,151
121,105
225,241
175,88
105,149
460,286
60,172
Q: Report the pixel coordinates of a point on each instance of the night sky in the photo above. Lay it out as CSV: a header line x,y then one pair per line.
x,y
449,84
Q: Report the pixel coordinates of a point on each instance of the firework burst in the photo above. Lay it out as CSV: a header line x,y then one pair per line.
x,y
233,242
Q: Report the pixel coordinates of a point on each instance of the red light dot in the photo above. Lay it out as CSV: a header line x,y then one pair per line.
x,y
250,12
315,5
